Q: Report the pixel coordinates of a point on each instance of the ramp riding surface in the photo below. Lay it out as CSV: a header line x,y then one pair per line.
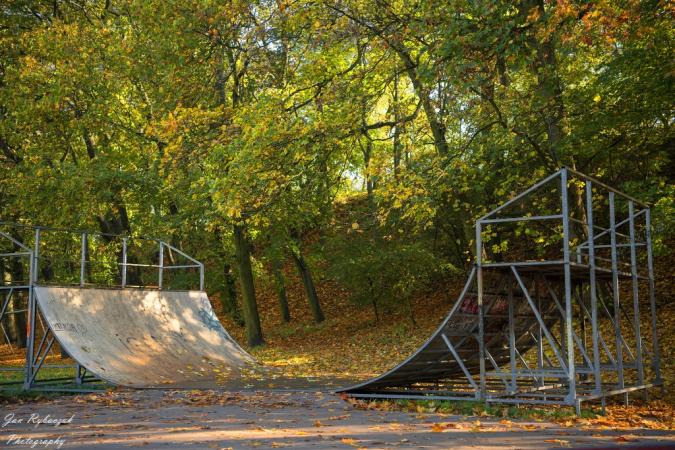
x,y
144,338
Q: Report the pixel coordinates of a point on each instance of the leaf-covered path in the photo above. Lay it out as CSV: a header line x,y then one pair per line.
x,y
223,420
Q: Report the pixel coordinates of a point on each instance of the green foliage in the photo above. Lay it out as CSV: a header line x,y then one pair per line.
x,y
182,122
383,269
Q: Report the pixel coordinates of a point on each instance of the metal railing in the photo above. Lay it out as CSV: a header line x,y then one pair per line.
x,y
124,265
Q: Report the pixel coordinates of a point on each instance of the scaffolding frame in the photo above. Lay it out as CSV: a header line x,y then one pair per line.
x,y
551,307
37,352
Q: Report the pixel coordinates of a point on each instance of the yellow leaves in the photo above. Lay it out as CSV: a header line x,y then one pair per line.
x,y
440,427
437,428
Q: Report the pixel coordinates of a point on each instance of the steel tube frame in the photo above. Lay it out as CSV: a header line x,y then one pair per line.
x,y
574,293
36,356
652,301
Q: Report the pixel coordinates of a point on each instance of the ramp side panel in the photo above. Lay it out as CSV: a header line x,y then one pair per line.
x,y
142,338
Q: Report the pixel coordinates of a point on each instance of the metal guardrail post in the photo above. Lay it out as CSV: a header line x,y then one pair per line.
x,y
652,299
124,262
201,276
592,287
36,268
481,310
83,256
615,286
568,288
161,262
30,332
636,305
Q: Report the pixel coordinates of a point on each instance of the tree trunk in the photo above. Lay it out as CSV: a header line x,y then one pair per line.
x,y
374,301
281,292
397,134
367,152
411,310
253,329
423,92
228,297
306,275
17,324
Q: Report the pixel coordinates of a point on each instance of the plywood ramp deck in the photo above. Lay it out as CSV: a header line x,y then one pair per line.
x,y
144,338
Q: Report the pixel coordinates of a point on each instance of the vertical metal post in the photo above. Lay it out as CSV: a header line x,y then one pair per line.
x,y
30,332
615,287
124,262
481,311
36,268
161,262
568,289
592,287
79,375
540,344
83,258
652,300
512,334
582,318
201,276
636,305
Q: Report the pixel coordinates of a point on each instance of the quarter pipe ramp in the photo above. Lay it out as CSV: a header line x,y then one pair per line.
x,y
143,338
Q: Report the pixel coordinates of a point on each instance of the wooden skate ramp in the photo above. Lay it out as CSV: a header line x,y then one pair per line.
x,y
144,338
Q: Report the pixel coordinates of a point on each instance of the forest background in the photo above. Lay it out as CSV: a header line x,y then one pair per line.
x,y
354,142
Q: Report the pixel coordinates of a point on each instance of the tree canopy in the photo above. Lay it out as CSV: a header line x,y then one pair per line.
x,y
239,128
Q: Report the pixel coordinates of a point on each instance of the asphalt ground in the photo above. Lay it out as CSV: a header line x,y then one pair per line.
x,y
166,419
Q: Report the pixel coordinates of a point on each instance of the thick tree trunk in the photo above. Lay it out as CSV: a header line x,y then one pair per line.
x,y
306,275
228,290
280,288
253,328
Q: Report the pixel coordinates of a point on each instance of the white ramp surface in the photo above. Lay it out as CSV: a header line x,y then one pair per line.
x,y
144,338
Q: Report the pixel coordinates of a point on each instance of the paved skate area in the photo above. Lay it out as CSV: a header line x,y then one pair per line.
x,y
165,419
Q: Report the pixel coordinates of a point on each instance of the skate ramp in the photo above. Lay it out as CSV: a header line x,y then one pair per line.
x,y
457,338
159,339
144,338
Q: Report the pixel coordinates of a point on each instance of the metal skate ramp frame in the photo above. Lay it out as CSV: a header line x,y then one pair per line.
x,y
527,330
121,318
